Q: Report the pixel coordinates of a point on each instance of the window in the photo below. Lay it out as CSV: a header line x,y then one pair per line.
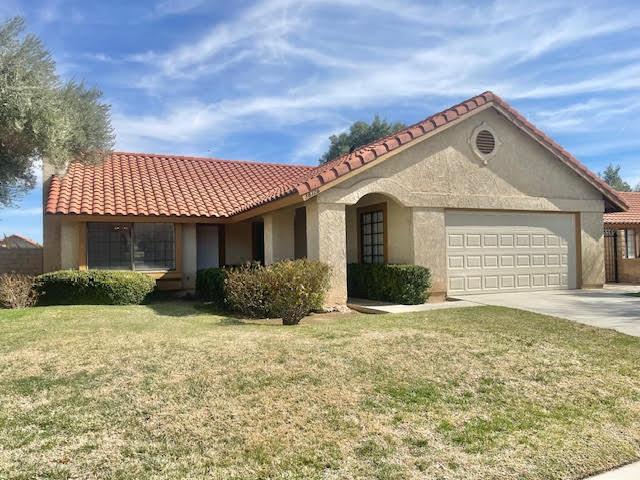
x,y
630,244
153,246
131,246
372,234
109,245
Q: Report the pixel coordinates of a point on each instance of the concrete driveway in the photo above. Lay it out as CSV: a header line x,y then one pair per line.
x,y
610,307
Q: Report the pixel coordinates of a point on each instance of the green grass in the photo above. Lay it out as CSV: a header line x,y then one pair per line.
x,y
637,294
172,391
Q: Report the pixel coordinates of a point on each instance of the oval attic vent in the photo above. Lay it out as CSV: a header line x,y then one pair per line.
x,y
486,142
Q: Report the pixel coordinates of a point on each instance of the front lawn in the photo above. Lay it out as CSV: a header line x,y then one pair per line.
x,y
172,391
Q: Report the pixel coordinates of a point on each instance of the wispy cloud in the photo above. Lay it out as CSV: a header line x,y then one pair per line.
x,y
335,55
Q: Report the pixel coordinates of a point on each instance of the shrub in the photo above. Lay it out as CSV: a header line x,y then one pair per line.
x,y
210,285
289,290
296,288
93,287
16,291
246,290
404,284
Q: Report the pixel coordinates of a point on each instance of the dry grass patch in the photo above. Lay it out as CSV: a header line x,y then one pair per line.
x,y
174,391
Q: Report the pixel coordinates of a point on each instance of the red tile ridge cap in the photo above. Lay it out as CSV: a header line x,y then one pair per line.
x,y
334,163
369,152
174,156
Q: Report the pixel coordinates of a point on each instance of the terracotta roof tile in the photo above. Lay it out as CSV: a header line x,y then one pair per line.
x,y
168,185
631,216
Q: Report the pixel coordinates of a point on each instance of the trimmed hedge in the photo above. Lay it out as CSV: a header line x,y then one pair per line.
x,y
403,284
93,287
210,285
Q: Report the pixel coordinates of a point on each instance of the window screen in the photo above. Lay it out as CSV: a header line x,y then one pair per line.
x,y
630,243
372,236
153,246
109,246
127,246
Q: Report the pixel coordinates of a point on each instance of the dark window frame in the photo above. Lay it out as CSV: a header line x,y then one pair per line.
x,y
132,244
363,213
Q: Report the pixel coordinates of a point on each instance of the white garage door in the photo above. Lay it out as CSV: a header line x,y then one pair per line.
x,y
498,252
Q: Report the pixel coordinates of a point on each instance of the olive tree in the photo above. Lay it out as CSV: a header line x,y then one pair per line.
x,y
42,116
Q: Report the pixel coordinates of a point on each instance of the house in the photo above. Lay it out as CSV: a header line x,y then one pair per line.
x,y
20,255
476,193
622,231
18,241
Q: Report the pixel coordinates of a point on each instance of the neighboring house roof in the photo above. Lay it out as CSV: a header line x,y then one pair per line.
x,y
146,184
631,216
18,241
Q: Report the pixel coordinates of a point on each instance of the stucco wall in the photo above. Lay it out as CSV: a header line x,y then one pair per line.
x,y
428,246
326,228
189,256
398,217
51,243
279,235
592,249
237,243
444,172
425,180
70,244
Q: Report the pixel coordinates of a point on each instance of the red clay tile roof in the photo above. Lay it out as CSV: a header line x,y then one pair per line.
x,y
367,154
146,184
18,241
631,216
168,185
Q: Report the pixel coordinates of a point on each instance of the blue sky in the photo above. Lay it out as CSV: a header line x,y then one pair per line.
x,y
270,80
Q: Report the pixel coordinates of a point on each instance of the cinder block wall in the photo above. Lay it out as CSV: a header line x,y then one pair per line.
x,y
27,261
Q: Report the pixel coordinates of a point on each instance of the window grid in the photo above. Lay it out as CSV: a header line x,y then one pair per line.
x,y
372,236
131,246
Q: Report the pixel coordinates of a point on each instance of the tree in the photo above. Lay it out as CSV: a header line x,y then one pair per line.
x,y
359,134
41,116
611,176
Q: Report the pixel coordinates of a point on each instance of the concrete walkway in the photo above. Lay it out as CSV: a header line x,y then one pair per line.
x,y
376,307
610,307
629,472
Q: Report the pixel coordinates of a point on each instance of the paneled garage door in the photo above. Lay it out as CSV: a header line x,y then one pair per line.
x,y
498,252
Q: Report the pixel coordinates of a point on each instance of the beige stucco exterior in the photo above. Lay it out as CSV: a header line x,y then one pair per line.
x,y
419,185
279,240
442,173
238,243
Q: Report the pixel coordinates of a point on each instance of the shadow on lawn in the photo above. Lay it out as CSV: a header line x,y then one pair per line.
x,y
183,308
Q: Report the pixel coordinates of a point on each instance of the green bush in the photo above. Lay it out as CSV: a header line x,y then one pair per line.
x,y
404,284
210,285
289,290
93,287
